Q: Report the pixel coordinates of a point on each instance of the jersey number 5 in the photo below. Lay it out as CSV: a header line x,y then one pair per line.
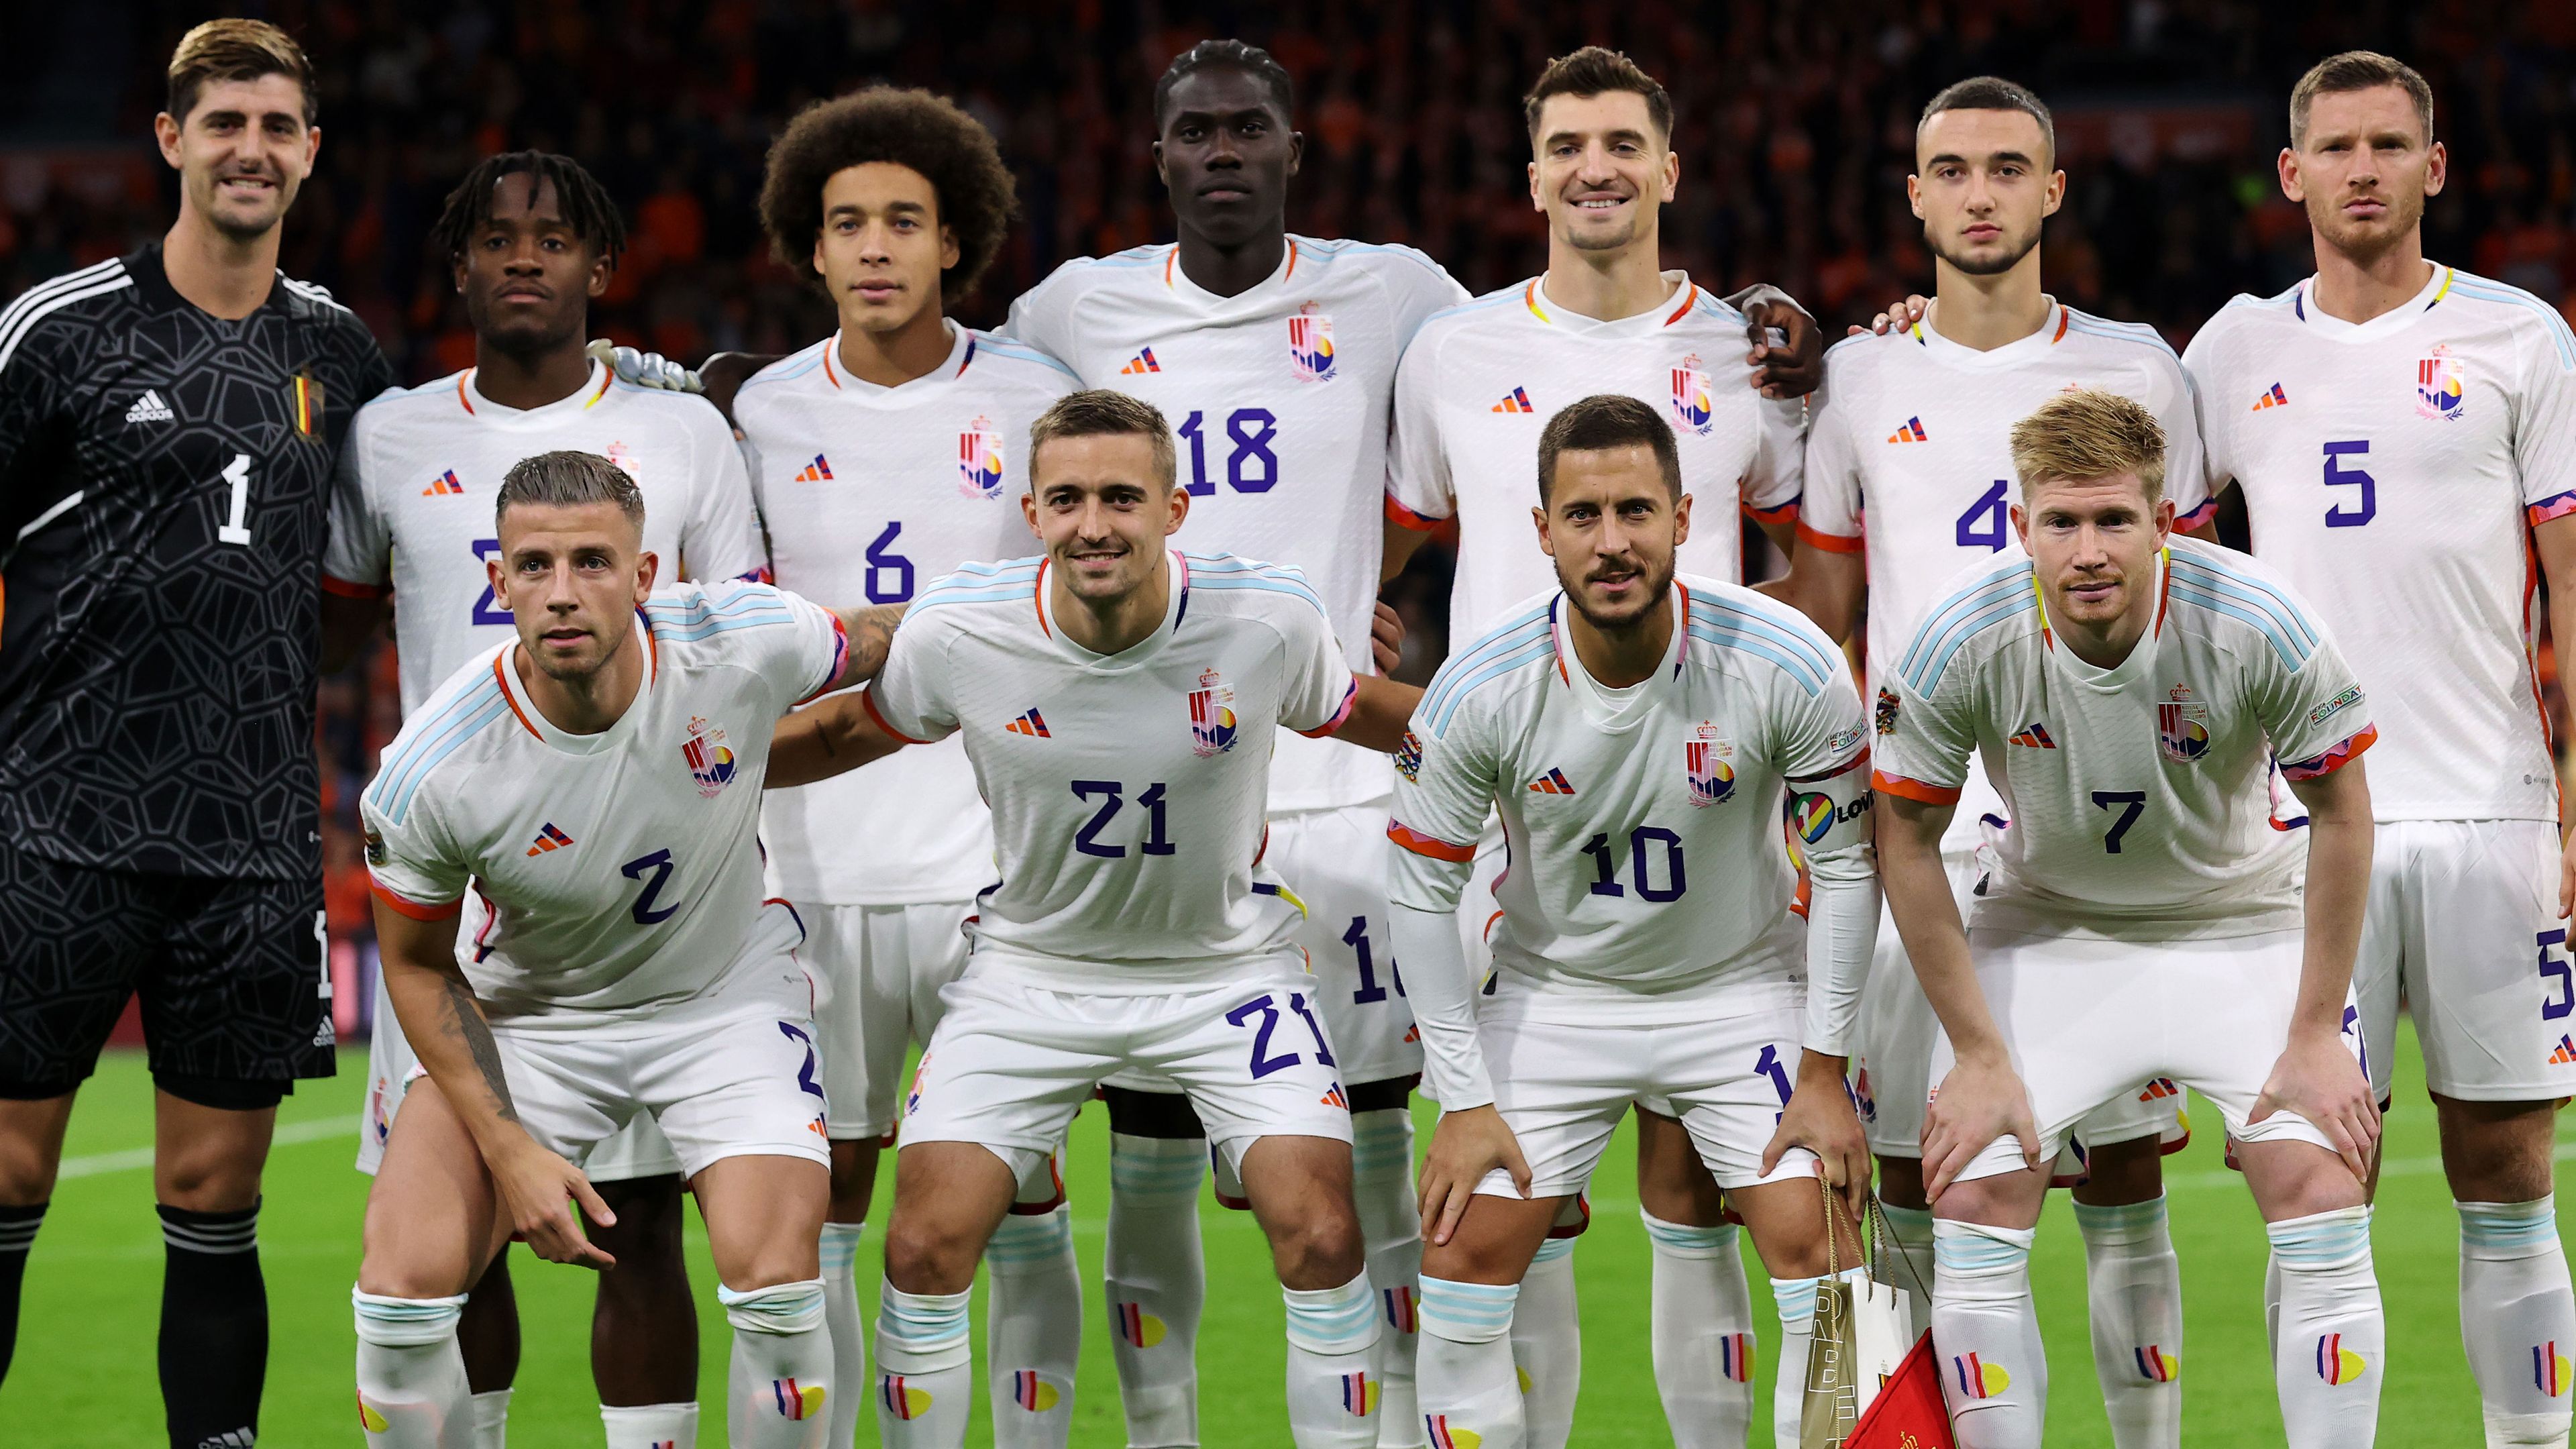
x,y
2363,508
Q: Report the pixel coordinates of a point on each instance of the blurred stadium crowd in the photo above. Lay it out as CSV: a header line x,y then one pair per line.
x,y
1795,132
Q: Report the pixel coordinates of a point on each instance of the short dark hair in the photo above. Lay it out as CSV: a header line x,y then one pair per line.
x,y
1599,423
1099,413
569,478
1992,93
235,50
912,128
1250,59
586,206
1592,71
2357,70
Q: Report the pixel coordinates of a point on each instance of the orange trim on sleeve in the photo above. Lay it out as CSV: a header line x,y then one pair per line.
x,y
1775,513
1430,845
1829,542
868,702
349,590
1886,783
1403,517
405,906
2333,759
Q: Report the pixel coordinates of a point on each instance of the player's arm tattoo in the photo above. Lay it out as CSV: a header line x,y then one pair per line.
x,y
871,634
464,1024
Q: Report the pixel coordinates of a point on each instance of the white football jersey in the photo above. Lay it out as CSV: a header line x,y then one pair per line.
x,y
2140,798
1128,791
869,493
1481,380
1280,397
1909,460
619,871
1644,822
2391,473
411,506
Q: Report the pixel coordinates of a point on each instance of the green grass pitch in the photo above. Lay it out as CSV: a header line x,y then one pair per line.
x,y
84,1370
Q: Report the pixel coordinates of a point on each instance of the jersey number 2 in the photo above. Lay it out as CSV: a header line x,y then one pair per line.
x,y
660,865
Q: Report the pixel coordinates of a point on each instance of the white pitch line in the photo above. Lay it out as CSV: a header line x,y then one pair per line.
x,y
140,1157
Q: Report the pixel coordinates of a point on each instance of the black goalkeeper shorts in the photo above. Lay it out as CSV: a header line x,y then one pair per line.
x,y
234,976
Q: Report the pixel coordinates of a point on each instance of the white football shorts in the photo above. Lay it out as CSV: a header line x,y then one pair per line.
x,y
2093,1023
1335,861
878,972
1724,1067
2463,916
1012,1061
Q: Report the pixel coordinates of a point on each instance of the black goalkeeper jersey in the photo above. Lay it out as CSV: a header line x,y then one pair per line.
x,y
164,477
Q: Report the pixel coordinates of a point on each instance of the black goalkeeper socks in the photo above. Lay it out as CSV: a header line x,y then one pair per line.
x,y
17,1234
214,1327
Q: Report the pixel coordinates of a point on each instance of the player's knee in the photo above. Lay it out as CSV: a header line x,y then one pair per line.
x,y
1319,1248
924,1254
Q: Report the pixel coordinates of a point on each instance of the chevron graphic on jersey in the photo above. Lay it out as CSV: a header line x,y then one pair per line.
x,y
2566,1053
1552,783
2272,397
443,486
2034,735
1142,362
1334,1098
1030,723
817,471
549,838
149,408
2158,1089
1516,401
1911,432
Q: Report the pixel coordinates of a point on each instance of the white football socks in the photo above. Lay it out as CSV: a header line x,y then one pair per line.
x,y
1032,1329
925,1386
1994,1369
781,1377
411,1378
2517,1318
1470,1388
652,1426
1391,1226
848,1326
2330,1359
1547,1344
491,1413
2133,1290
1332,1390
1701,1312
1157,1284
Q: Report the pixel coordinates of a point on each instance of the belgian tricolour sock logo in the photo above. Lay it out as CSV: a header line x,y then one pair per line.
x,y
1979,1379
1138,1328
1032,1392
896,1398
2337,1364
1445,1435
2548,1369
2157,1366
1359,1394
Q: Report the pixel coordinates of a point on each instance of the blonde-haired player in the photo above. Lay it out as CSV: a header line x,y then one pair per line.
x,y
2144,919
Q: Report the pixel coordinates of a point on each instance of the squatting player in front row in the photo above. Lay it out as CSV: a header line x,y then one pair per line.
x,y
596,781
2130,690
1118,702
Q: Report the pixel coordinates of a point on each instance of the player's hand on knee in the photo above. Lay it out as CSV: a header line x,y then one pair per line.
x,y
1976,1106
539,1189
1820,1117
1465,1146
2317,1078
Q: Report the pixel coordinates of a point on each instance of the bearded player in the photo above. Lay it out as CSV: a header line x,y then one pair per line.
x,y
1475,390
1907,480
2396,420
2143,919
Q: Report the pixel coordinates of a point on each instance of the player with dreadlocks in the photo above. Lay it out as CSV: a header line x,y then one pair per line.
x,y
532,237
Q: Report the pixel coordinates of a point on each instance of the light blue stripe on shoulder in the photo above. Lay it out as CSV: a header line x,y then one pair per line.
x,y
1924,675
2298,631
1731,625
1475,675
466,716
1512,635
1019,351
2485,290
2137,332
2012,576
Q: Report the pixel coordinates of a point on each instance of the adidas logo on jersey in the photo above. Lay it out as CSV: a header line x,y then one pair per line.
x,y
2566,1053
1142,362
1552,783
2272,397
1334,1098
2160,1088
1030,723
817,471
549,838
1516,401
443,486
2035,735
1911,432
149,408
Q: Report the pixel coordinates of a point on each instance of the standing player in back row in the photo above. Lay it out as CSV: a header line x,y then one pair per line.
x,y
168,426
2143,920
1908,479
885,456
1477,387
1276,356
2402,433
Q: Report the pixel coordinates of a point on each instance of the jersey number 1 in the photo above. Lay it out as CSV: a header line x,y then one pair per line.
x,y
237,473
